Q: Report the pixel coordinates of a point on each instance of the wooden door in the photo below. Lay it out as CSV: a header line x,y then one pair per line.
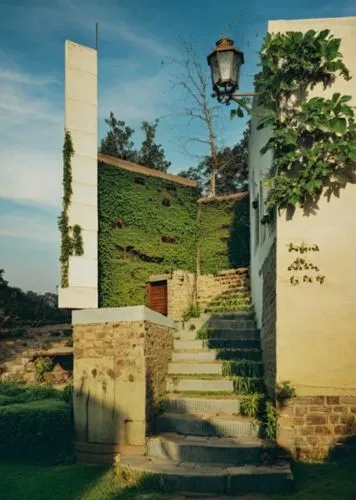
x,y
157,296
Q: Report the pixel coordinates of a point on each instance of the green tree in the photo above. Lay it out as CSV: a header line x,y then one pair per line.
x,y
151,154
232,172
118,140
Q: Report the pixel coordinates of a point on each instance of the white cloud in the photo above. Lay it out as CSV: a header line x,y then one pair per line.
x,y
38,229
20,77
30,135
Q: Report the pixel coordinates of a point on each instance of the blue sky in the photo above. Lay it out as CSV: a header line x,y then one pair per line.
x,y
136,36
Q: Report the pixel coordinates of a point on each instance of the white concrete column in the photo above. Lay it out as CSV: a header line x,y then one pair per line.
x,y
81,120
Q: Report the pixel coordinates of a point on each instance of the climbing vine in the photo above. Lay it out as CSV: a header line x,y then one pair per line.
x,y
314,139
224,235
147,226
71,237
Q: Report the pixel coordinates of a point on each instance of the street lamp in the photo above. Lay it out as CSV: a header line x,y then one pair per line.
x,y
225,64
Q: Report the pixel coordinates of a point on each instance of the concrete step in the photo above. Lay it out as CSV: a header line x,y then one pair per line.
x,y
199,345
213,355
201,405
223,344
227,451
194,478
228,308
188,344
208,425
176,384
199,356
188,368
185,335
223,323
231,333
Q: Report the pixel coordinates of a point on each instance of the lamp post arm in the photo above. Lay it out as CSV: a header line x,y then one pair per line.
x,y
243,94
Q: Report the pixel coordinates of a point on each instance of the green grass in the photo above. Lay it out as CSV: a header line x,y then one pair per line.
x,y
71,482
331,481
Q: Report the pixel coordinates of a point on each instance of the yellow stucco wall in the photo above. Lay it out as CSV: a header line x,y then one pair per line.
x,y
316,324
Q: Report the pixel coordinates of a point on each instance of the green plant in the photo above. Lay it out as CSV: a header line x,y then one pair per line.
x,y
251,404
69,342
271,421
43,365
36,430
71,238
284,390
314,140
202,333
193,311
192,327
242,368
224,235
138,235
68,393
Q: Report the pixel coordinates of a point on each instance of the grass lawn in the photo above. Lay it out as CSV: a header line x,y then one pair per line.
x,y
334,481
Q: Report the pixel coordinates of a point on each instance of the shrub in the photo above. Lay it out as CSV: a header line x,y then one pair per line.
x,y
43,366
39,431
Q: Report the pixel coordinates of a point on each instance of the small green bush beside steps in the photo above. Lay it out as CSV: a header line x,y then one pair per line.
x,y
36,423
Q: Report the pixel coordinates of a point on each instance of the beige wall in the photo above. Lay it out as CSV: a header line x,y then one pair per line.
x,y
262,236
316,324
181,284
81,111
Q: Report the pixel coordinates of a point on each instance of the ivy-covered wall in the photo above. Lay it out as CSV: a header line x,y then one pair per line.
x,y
224,234
147,225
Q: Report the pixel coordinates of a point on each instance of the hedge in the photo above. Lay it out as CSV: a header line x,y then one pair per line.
x,y
39,431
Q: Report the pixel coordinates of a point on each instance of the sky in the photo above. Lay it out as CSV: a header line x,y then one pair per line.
x,y
138,40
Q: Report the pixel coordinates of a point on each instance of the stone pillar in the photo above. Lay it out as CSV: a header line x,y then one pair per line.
x,y
121,358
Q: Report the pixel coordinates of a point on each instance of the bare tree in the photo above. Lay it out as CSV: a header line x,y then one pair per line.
x,y
198,106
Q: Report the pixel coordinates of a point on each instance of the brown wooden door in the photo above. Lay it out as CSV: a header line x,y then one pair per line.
x,y
157,296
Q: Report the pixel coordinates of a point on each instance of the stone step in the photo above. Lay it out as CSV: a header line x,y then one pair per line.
x,y
198,345
207,425
188,477
221,323
188,344
228,308
212,355
204,450
185,335
189,368
231,333
238,354
201,405
176,384
223,344
199,356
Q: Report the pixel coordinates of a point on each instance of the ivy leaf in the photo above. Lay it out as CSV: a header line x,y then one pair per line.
x,y
338,126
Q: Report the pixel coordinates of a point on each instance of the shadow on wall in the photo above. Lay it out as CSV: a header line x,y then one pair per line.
x,y
239,238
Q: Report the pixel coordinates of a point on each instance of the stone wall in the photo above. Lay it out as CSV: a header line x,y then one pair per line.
x,y
158,351
20,349
268,333
119,373
310,427
209,287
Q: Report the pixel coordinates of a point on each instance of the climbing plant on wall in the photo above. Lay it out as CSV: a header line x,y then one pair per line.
x,y
147,226
314,138
224,235
71,237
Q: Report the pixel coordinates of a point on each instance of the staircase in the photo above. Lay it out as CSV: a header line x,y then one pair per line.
x,y
202,442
